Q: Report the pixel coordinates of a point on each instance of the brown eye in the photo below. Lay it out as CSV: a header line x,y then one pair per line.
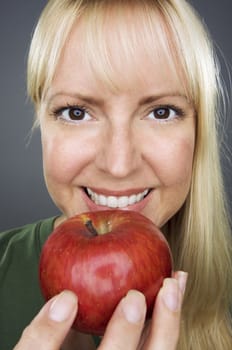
x,y
73,114
76,113
162,113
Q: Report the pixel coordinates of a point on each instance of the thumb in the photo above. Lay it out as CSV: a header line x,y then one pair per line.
x,y
50,327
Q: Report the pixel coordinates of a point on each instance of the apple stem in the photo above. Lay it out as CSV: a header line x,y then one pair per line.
x,y
91,228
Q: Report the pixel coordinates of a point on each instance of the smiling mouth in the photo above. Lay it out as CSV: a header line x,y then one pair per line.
x,y
116,201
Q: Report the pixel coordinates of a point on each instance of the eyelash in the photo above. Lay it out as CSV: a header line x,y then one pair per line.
x,y
179,113
57,112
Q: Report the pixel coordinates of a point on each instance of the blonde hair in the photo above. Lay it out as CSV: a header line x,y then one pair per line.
x,y
199,234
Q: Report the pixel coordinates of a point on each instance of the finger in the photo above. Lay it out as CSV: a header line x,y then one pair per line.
x,y
125,327
51,325
165,325
181,277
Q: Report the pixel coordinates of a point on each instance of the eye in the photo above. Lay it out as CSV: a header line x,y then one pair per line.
x,y
73,114
165,113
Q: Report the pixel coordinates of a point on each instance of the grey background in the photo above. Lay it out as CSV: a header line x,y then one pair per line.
x,y
23,196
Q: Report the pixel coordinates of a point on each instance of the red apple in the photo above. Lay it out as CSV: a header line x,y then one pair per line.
x,y
101,256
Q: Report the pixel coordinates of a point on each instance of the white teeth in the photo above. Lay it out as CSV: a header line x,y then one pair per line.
x,y
102,200
132,199
112,202
123,202
116,202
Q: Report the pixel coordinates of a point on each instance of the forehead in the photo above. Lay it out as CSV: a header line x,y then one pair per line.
x,y
121,51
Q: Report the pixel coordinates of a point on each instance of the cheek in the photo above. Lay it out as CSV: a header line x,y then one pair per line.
x,y
63,157
174,161
173,170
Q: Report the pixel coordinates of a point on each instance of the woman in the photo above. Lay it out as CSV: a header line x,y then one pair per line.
x,y
126,99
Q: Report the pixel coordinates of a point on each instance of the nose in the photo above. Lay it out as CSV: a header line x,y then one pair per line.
x,y
119,154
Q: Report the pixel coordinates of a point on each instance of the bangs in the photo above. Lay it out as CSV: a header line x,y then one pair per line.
x,y
116,35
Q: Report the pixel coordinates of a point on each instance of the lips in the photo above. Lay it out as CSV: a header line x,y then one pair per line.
x,y
114,202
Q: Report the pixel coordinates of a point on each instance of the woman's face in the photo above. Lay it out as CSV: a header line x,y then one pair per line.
x,y
130,149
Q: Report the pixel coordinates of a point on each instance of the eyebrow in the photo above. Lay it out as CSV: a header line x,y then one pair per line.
x,y
77,96
153,98
100,102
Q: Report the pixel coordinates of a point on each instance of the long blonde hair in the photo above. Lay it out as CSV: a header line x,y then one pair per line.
x,y
199,234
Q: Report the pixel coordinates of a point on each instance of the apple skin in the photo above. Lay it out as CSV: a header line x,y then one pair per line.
x,y
102,268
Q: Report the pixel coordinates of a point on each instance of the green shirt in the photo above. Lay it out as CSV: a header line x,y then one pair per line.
x,y
20,296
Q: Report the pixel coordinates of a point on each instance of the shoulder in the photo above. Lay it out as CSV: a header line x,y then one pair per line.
x,y
27,239
20,295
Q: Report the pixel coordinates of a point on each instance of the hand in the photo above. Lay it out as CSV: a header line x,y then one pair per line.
x,y
125,329
49,328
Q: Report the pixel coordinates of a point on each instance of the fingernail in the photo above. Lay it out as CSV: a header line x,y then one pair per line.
x,y
134,306
182,280
170,294
63,306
